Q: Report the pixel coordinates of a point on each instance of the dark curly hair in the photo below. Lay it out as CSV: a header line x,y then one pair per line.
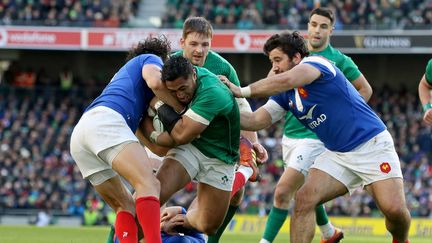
x,y
159,46
290,43
176,67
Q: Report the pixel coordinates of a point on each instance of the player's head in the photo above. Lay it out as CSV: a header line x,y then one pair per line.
x,y
180,78
285,50
320,27
159,46
196,39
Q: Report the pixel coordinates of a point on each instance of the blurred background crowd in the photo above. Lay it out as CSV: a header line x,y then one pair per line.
x,y
37,113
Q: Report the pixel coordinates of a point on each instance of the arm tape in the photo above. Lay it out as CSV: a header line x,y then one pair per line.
x,y
168,116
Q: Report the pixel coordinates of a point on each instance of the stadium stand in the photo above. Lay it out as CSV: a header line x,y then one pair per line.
x,y
96,13
291,14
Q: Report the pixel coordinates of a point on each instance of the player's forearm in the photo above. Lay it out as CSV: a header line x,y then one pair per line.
x,y
252,136
424,91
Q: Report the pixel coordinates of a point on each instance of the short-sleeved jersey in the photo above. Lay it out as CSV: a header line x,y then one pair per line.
x,y
428,73
293,128
332,108
128,93
214,105
219,66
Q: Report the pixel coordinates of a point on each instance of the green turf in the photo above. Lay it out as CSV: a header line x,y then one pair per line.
x,y
26,234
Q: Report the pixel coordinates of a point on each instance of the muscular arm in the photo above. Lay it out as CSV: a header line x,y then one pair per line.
x,y
152,75
425,98
184,131
363,87
300,75
255,121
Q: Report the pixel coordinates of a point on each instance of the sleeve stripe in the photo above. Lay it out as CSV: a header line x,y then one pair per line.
x,y
322,61
194,116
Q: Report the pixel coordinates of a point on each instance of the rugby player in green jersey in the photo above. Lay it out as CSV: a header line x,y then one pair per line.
x,y
205,141
300,146
425,87
196,47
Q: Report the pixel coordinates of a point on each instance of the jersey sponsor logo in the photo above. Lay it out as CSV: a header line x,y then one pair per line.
x,y
309,113
385,167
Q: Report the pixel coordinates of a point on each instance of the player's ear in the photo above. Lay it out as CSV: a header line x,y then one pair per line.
x,y
297,58
182,42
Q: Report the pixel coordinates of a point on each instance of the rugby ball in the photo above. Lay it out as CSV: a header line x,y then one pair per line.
x,y
157,124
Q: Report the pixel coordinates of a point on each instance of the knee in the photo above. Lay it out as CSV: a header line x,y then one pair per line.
x,y
237,198
396,212
209,228
305,201
282,197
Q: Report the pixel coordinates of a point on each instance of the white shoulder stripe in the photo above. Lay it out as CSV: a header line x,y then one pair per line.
x,y
322,61
194,116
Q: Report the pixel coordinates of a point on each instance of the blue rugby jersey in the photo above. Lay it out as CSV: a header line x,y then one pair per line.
x,y
332,108
128,93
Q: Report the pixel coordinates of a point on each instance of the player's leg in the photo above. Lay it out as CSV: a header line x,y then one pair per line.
x,y
235,202
328,231
133,164
318,188
390,198
287,185
211,207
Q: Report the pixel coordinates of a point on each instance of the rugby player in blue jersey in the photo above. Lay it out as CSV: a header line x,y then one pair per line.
x,y
359,150
104,145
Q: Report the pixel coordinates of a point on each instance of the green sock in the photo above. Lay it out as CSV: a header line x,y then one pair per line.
x,y
111,235
275,221
321,215
230,214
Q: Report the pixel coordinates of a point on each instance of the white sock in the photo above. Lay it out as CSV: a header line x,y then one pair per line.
x,y
327,230
264,241
246,171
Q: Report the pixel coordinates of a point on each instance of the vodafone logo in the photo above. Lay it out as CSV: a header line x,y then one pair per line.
x,y
3,37
242,41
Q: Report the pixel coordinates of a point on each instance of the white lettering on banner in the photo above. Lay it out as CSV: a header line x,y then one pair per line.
x,y
32,37
3,37
386,42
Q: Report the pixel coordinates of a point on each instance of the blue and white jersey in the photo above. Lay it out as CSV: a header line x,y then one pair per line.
x,y
128,93
332,108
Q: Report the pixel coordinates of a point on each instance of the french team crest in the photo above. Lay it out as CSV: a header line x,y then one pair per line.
x,y
303,93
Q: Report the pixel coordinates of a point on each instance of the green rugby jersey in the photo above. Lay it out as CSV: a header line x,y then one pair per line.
x,y
218,65
214,102
293,128
428,73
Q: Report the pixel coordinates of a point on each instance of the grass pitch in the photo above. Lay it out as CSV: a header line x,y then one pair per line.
x,y
27,234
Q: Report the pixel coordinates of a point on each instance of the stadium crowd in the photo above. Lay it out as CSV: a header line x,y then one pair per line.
x,y
96,13
37,171
292,14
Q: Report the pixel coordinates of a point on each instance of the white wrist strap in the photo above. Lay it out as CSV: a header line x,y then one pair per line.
x,y
246,92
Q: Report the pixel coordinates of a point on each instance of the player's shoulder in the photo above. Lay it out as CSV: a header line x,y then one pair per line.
x,y
215,58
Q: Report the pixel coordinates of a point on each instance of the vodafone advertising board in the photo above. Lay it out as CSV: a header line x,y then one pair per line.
x,y
119,39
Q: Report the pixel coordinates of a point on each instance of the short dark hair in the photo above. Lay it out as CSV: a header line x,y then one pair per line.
x,y
199,25
176,67
289,43
159,46
326,12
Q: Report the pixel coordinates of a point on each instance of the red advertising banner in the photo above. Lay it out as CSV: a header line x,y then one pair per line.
x,y
40,38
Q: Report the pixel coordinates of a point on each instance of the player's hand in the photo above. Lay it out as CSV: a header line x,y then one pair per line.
x,y
234,89
261,153
427,117
170,227
169,212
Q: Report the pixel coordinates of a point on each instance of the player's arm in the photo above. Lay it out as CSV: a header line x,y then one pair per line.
x,y
265,116
151,73
298,76
424,90
184,131
147,124
363,87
